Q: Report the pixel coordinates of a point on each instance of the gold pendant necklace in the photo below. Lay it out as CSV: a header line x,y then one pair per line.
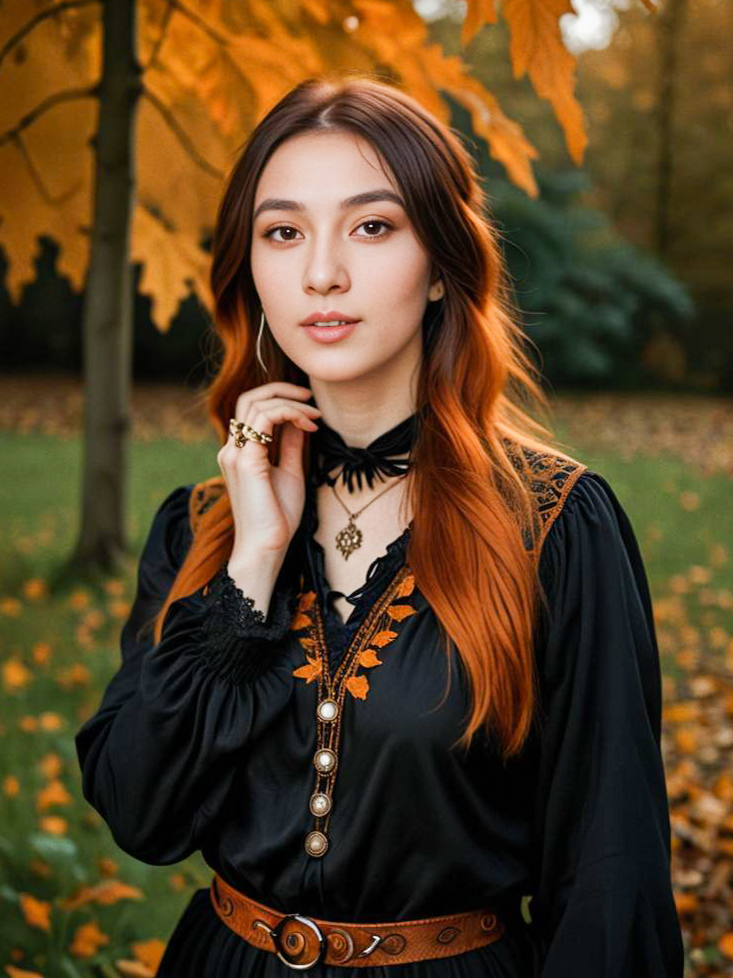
x,y
350,537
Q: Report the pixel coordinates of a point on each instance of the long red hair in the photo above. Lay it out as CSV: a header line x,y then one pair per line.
x,y
472,508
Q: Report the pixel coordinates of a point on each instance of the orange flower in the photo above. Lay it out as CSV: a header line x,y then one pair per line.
x,y
107,866
10,606
35,912
28,723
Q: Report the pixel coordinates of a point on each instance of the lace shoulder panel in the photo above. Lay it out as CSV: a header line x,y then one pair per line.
x,y
203,495
551,476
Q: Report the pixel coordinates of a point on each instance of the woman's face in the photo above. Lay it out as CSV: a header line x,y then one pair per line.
x,y
313,251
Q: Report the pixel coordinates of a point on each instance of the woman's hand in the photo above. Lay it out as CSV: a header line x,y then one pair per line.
x,y
267,500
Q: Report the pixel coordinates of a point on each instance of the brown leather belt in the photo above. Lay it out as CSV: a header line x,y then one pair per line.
x,y
301,942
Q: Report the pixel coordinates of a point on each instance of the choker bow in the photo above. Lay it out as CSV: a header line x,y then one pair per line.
x,y
374,460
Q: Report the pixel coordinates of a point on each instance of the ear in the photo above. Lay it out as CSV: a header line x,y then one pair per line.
x,y
436,290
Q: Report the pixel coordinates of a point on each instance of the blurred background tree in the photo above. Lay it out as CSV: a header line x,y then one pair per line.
x,y
618,238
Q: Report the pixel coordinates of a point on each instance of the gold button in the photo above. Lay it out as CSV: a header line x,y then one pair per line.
x,y
328,710
316,843
325,759
320,803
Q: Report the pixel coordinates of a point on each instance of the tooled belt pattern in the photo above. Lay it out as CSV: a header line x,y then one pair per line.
x,y
298,944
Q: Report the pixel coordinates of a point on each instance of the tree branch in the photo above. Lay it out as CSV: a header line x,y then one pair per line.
x,y
72,93
181,135
41,15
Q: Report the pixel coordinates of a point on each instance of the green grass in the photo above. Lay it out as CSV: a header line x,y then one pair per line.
x,y
40,498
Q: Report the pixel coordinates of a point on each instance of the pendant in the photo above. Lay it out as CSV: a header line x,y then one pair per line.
x,y
349,539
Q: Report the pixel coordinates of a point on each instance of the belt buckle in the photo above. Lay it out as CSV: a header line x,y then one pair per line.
x,y
276,931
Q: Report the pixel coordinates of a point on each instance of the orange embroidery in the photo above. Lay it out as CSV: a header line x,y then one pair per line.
x,y
373,635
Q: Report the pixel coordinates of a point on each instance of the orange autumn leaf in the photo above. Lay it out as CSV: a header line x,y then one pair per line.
x,y
35,912
383,638
34,588
53,825
51,721
149,952
40,653
79,600
309,672
87,940
368,658
683,711
15,675
10,606
73,676
39,868
358,686
479,12
54,793
11,786
105,893
686,903
133,969
49,766
401,611
538,49
687,740
725,944
107,866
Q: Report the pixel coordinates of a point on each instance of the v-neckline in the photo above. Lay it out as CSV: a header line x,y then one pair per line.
x,y
318,564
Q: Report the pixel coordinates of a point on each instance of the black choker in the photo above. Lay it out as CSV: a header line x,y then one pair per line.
x,y
375,459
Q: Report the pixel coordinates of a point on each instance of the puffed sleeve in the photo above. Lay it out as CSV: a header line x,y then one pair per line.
x,y
604,903
159,755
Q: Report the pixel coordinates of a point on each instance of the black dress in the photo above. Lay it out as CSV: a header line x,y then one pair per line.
x,y
206,741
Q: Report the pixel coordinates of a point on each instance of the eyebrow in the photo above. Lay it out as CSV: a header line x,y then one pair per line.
x,y
368,197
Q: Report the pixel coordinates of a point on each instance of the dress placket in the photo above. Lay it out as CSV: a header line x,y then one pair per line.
x,y
374,630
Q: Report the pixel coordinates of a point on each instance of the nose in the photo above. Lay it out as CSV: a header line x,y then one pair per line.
x,y
325,270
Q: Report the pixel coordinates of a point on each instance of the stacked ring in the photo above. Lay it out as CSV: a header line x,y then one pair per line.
x,y
243,432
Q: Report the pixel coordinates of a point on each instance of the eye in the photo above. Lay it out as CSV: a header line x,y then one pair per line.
x,y
372,223
386,224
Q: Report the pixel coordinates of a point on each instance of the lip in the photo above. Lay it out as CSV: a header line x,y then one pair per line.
x,y
326,317
330,334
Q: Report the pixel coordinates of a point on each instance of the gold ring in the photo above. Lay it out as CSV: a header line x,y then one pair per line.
x,y
243,432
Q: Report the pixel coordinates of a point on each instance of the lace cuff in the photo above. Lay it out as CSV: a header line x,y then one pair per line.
x,y
239,640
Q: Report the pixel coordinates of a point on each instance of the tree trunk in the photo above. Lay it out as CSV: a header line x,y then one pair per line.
x,y
108,301
670,31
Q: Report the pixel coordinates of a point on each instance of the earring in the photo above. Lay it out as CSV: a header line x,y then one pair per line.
x,y
436,291
259,340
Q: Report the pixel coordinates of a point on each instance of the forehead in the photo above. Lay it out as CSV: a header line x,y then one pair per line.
x,y
318,168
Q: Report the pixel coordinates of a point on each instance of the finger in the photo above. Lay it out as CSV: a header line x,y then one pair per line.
x,y
263,391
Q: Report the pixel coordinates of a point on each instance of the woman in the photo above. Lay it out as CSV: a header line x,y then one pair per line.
x,y
403,672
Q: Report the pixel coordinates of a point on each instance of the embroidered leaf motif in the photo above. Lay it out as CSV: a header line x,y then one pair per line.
x,y
307,642
358,686
384,638
309,672
368,658
401,611
406,587
300,620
